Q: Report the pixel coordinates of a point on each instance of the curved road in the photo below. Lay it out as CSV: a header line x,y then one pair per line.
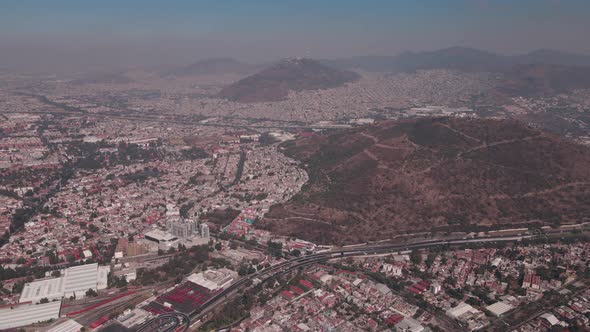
x,y
295,263
160,323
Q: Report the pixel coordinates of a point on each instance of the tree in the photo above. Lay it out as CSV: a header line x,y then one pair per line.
x,y
91,293
415,257
44,300
243,270
450,280
18,287
296,252
52,257
218,246
430,259
275,249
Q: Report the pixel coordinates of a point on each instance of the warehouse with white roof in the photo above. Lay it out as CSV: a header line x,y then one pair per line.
x,y
79,279
28,314
76,281
213,279
49,288
67,326
499,308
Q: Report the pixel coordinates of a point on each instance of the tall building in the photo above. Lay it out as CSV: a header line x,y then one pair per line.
x,y
186,229
182,228
194,225
179,229
204,231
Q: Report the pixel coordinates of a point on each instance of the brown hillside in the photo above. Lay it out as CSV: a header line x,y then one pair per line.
x,y
275,82
376,182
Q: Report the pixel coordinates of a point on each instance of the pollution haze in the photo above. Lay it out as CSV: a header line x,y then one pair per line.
x,y
72,35
294,165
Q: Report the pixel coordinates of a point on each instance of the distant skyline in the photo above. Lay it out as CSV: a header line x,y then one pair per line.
x,y
79,35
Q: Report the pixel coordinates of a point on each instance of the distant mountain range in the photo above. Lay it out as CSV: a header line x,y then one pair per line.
x,y
213,66
458,58
541,72
275,82
378,181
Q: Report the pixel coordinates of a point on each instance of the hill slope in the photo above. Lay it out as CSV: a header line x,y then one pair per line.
x,y
375,182
275,82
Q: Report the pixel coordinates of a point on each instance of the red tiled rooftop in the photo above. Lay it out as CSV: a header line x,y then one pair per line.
x,y
297,290
306,284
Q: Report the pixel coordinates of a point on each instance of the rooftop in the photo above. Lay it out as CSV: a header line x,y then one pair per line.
x,y
48,288
213,279
28,314
499,308
160,235
79,279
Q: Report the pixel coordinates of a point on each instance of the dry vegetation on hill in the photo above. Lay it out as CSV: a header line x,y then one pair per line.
x,y
375,182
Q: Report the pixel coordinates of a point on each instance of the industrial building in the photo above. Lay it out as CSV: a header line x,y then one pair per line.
x,y
499,308
75,281
409,324
67,326
460,310
50,289
213,279
23,315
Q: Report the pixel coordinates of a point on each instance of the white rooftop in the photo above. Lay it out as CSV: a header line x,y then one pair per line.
x,y
47,288
79,279
28,314
460,310
499,308
102,277
67,326
160,235
550,318
213,279
409,324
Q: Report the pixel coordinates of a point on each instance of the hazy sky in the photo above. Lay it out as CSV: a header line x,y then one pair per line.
x,y
79,33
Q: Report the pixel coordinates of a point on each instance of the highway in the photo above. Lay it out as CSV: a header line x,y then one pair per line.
x,y
168,322
295,263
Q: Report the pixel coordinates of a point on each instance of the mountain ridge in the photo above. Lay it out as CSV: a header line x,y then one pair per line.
x,y
457,57
274,83
379,181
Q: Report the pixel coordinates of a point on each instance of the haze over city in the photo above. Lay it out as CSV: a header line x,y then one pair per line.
x,y
108,34
307,166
